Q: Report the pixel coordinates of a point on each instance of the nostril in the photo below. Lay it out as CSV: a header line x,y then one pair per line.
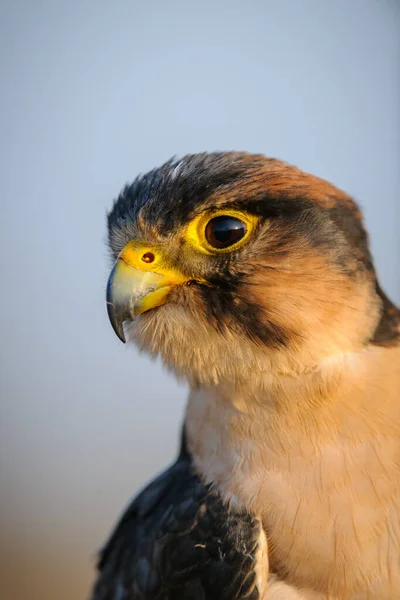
x,y
148,257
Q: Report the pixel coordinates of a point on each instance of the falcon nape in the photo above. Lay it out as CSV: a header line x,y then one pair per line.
x,y
254,281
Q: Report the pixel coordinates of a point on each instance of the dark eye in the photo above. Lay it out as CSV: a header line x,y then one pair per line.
x,y
222,232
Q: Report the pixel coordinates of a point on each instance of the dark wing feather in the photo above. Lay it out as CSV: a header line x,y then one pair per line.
x,y
178,541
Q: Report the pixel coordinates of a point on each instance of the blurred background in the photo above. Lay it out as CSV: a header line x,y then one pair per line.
x,y
93,93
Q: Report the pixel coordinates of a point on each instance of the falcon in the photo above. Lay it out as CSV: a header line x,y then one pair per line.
x,y
254,282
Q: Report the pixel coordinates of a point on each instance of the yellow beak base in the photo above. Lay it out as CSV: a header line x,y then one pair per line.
x,y
137,283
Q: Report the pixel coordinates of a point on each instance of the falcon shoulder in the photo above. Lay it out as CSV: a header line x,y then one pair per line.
x,y
178,540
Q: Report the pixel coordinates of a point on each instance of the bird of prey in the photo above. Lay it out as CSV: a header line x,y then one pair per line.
x,y
254,282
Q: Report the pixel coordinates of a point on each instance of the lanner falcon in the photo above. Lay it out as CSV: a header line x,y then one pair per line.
x,y
254,282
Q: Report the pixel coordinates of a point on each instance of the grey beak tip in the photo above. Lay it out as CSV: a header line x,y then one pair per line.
x,y
115,322
122,338
120,333
113,313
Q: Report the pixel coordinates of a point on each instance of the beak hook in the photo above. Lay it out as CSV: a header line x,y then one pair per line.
x,y
114,312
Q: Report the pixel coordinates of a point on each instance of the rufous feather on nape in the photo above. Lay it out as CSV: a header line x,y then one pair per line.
x,y
254,282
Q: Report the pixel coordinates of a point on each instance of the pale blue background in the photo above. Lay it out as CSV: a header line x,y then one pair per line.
x,y
92,93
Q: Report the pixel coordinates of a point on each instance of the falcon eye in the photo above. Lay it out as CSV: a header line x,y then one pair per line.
x,y
217,231
224,231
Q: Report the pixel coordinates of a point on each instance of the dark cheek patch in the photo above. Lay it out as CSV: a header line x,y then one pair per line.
x,y
387,332
226,309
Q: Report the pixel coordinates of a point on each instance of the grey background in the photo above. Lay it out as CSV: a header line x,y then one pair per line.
x,y
92,93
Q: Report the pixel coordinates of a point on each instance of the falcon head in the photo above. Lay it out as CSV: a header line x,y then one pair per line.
x,y
231,263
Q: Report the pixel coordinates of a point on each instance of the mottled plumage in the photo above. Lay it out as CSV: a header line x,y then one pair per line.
x,y
178,540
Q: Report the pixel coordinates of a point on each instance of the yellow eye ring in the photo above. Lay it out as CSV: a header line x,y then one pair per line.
x,y
199,237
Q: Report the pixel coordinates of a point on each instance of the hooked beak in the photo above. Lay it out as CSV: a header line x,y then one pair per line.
x,y
137,283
